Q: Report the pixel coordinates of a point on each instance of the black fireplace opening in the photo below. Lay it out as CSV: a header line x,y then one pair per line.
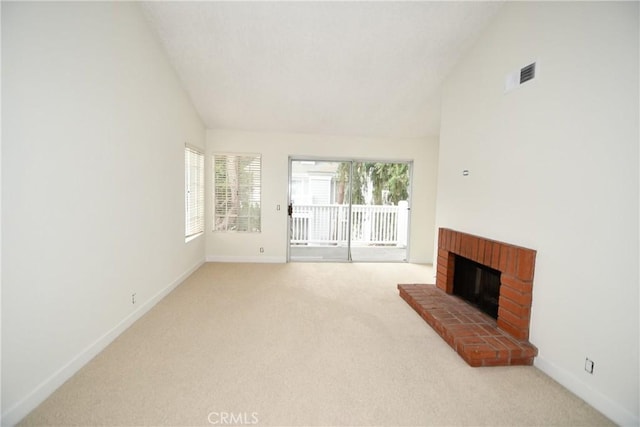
x,y
477,284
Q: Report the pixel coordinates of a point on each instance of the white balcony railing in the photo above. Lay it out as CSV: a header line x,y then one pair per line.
x,y
377,225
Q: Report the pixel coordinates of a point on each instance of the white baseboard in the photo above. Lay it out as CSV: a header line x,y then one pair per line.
x,y
21,409
602,403
251,259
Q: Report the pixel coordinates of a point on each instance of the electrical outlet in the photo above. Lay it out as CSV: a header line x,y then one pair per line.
x,y
588,365
133,298
261,250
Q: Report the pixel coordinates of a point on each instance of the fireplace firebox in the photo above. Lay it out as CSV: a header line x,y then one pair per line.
x,y
477,284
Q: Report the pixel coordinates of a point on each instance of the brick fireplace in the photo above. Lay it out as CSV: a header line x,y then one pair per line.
x,y
478,338
516,265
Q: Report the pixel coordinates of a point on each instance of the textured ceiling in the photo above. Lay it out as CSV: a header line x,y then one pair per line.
x,y
342,68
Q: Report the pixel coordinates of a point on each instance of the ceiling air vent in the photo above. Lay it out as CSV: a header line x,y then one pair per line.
x,y
527,73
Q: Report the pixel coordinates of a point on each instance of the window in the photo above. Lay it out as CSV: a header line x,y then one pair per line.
x,y
236,183
193,192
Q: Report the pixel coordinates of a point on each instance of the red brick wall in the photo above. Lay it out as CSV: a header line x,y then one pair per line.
x,y
516,264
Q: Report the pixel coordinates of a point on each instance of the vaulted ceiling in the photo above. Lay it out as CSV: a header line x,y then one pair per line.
x,y
343,68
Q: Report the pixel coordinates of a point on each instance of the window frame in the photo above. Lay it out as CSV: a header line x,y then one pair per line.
x,y
194,181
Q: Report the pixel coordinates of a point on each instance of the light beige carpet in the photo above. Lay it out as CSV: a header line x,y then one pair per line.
x,y
299,344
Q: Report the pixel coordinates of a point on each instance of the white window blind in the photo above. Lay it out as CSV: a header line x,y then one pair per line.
x,y
237,192
193,192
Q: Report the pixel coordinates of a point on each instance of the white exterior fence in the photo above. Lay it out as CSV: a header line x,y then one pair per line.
x,y
377,225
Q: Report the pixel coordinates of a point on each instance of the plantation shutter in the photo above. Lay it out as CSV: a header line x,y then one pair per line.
x,y
194,192
237,192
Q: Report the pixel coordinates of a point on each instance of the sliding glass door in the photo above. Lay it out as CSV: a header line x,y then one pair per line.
x,y
348,210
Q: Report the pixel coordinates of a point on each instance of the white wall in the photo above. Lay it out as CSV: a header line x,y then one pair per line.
x,y
94,126
276,149
1,225
554,167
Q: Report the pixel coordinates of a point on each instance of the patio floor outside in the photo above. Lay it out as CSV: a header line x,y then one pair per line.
x,y
339,253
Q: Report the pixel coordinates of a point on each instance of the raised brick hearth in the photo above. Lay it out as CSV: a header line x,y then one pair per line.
x,y
471,333
478,338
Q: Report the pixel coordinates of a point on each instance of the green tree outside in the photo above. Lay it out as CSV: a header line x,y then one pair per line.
x,y
392,178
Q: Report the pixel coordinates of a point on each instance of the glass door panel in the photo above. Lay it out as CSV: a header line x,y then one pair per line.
x,y
380,211
319,210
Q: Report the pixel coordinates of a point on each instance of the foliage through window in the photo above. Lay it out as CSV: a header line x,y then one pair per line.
x,y
388,182
236,186
193,192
